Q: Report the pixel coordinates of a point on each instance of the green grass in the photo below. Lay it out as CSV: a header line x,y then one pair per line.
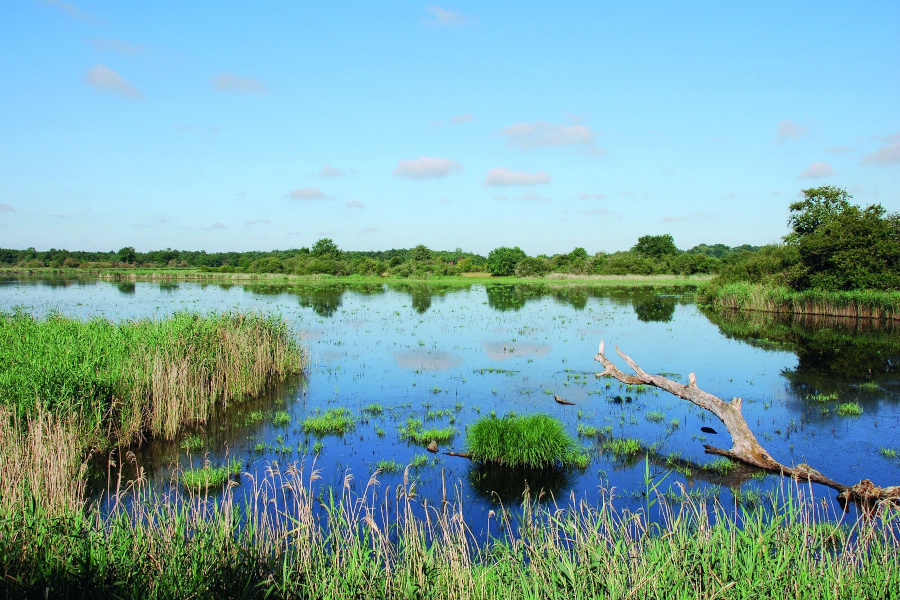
x,y
208,477
125,381
622,447
335,421
778,299
822,398
373,409
192,442
849,409
281,419
722,466
413,431
869,386
535,441
655,416
387,466
887,452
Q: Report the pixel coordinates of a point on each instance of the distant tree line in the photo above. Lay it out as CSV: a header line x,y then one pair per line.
x,y
653,254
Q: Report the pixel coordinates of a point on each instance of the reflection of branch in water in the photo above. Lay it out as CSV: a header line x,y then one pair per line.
x,y
745,448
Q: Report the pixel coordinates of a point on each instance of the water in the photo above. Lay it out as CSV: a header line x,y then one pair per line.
x,y
448,356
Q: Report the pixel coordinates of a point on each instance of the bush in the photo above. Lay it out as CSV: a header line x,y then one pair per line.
x,y
536,441
502,261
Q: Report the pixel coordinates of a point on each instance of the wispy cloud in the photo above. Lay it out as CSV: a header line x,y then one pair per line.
x,y
104,78
329,171
257,222
439,16
676,218
307,194
426,167
886,155
70,9
499,176
541,134
355,204
466,118
229,82
6,208
816,170
532,197
117,46
790,130
592,196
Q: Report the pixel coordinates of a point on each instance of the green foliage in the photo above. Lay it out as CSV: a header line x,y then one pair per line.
x,y
337,421
325,247
126,254
819,206
655,246
849,409
622,447
532,267
535,441
502,261
414,432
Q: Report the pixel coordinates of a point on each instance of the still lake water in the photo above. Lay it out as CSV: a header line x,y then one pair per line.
x,y
448,356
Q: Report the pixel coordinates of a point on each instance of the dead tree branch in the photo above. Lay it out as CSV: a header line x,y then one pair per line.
x,y
745,448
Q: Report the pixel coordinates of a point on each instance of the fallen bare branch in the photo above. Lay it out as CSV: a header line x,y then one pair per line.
x,y
745,448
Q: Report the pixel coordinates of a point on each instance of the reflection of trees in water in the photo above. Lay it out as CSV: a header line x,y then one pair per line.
x,y
126,287
168,287
507,485
421,294
827,348
657,308
506,297
325,300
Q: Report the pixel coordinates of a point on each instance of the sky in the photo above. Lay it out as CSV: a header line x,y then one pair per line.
x,y
268,125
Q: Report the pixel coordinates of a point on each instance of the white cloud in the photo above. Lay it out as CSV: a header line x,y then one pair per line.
x,y
501,176
307,194
114,45
540,134
532,197
355,204
790,130
105,78
886,155
69,8
816,170
594,196
329,171
426,167
442,17
229,82
6,208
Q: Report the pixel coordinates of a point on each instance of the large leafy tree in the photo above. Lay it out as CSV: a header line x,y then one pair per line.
x,y
655,246
503,260
819,206
325,248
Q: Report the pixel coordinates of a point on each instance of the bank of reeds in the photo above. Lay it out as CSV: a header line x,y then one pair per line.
x,y
122,381
780,299
393,544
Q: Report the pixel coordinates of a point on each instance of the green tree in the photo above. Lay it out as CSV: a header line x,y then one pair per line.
x,y
421,253
126,254
325,247
502,261
819,205
655,246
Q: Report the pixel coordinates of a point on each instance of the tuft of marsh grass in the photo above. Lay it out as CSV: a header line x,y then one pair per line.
x,y
192,442
535,441
413,431
207,477
281,419
849,409
337,421
722,466
622,447
387,466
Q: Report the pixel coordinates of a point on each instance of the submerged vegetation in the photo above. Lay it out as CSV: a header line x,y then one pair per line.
x,y
535,441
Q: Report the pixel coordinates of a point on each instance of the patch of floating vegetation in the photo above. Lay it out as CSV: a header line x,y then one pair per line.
x,y
373,409
655,416
337,421
387,467
849,409
869,386
192,442
822,398
534,441
722,466
414,432
497,371
207,477
622,447
281,419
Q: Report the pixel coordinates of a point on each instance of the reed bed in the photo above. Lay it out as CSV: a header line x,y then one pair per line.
x,y
286,535
779,299
124,381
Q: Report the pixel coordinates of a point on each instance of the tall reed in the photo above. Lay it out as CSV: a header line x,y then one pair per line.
x,y
779,299
148,377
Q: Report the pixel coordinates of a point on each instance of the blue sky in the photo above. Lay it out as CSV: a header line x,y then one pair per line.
x,y
269,125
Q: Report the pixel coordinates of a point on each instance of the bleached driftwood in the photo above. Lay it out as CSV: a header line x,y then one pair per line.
x,y
745,448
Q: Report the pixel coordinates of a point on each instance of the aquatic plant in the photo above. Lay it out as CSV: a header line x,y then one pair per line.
x,y
622,447
387,466
414,432
336,421
535,441
849,409
208,476
281,419
192,442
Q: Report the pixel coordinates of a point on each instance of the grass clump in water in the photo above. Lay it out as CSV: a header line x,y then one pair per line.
x,y
208,476
622,447
281,419
849,409
387,466
536,441
722,466
334,421
413,431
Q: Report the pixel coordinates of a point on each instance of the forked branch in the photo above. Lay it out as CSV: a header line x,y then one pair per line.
x,y
745,448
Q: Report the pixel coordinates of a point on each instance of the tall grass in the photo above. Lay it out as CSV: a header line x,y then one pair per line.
x,y
396,545
123,381
780,299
